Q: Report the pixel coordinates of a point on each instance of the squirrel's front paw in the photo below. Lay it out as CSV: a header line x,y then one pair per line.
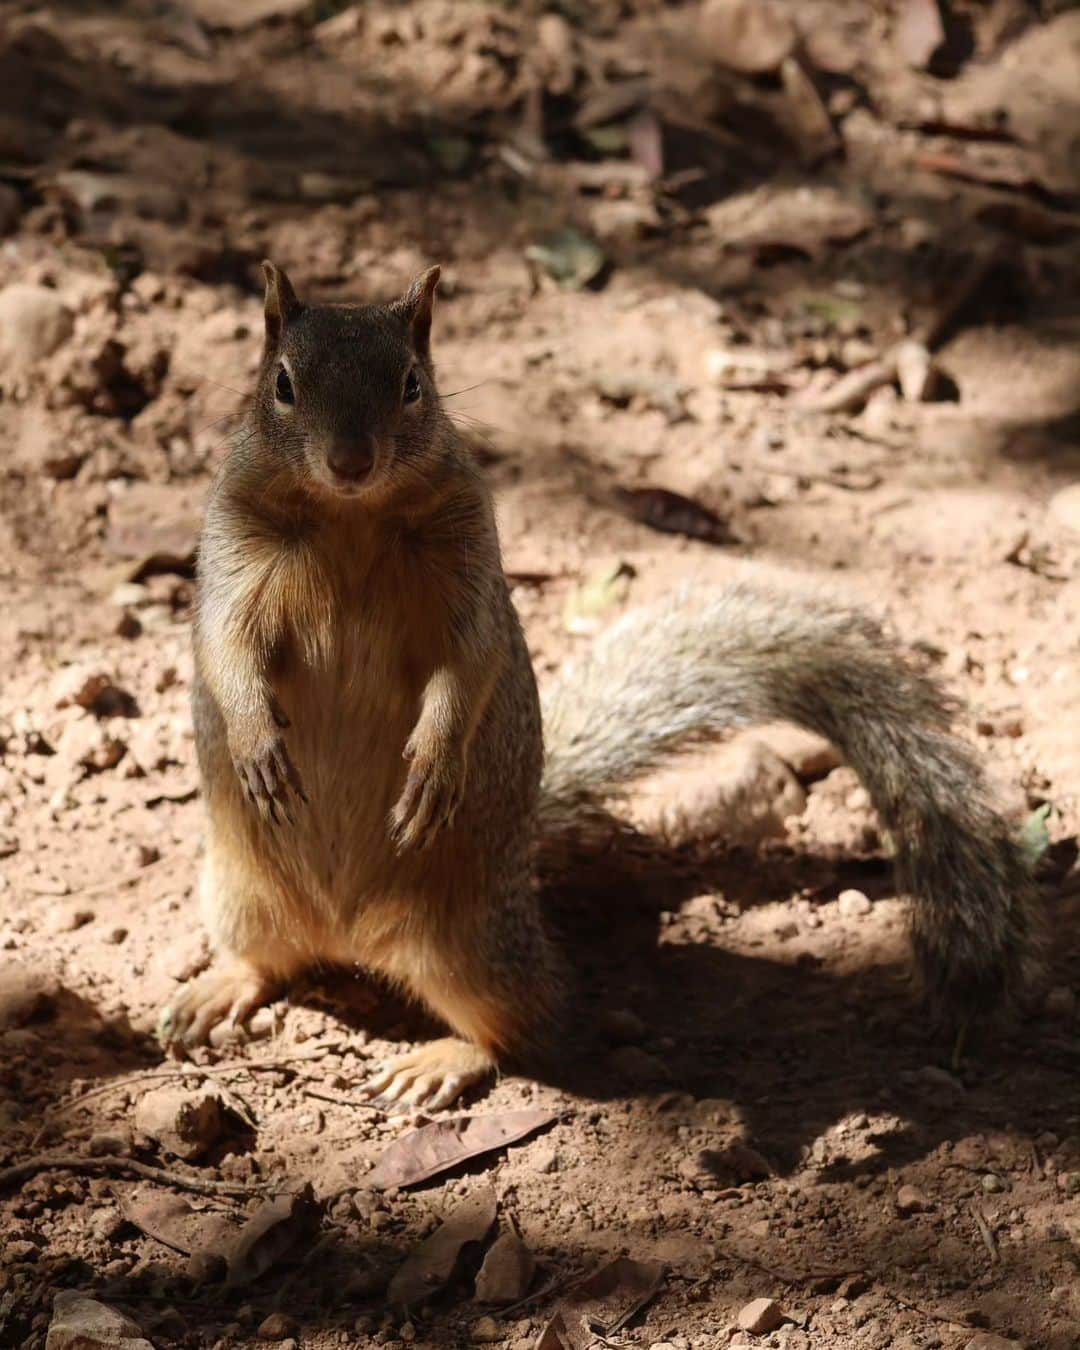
x,y
268,775
431,796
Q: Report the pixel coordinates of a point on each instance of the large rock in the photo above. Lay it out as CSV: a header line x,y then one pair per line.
x,y
82,1323
34,322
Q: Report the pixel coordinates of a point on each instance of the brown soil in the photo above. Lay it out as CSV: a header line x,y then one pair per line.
x,y
150,155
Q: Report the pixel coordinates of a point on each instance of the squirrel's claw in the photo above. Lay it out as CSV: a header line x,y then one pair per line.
x,y
428,803
270,779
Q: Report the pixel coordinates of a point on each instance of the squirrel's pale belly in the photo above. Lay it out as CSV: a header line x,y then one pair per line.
x,y
330,883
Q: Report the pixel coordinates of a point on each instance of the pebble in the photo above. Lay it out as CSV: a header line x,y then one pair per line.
x,y
485,1331
275,1327
853,904
622,1026
25,993
808,754
81,1323
761,1316
638,1067
1060,1004
34,322
185,1124
994,1185
912,1200
1065,507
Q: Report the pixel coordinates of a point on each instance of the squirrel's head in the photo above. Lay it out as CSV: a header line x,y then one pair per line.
x,y
346,393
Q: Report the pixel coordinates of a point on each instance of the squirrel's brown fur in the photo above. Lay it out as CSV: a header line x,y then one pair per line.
x,y
369,732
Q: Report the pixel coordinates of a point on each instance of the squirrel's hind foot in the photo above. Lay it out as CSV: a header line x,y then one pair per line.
x,y
434,1076
231,994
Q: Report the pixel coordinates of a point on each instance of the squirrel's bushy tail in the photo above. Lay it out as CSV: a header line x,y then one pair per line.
x,y
692,668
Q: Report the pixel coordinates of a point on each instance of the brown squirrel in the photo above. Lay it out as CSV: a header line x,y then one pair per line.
x,y
369,730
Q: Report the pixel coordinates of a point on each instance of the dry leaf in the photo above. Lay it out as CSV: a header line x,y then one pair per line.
x,y
601,1304
507,1271
444,1144
672,513
173,1222
432,1265
270,1234
596,596
568,256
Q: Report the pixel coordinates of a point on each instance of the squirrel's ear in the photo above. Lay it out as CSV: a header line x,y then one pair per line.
x,y
416,306
280,304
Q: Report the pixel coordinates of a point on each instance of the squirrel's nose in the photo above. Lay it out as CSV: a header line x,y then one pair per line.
x,y
351,460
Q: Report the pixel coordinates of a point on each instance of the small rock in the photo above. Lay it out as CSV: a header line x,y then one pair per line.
x,y
114,1143
761,1316
507,1271
1065,507
485,1331
638,1067
97,692
853,904
183,1123
407,1332
986,1340
128,625
622,1026
544,1158
24,994
994,1185
915,371
81,1323
738,1163
34,321
911,1200
1060,1004
275,1327
750,36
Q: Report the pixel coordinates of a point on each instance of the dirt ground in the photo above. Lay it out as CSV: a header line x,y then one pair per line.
x,y
761,199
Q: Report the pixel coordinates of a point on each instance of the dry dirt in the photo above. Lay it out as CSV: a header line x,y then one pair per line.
x,y
759,241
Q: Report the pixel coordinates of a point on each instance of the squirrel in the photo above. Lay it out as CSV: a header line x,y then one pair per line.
x,y
371,741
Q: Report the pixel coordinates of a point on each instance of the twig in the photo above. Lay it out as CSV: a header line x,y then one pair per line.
x,y
552,1288
190,1070
341,1100
74,1162
984,1232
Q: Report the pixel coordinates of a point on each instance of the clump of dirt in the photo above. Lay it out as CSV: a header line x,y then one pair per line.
x,y
727,287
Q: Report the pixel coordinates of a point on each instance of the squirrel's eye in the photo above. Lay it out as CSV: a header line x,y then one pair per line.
x,y
283,389
412,388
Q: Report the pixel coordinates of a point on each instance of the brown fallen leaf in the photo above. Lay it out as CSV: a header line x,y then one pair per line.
x,y
170,1220
270,1234
434,1263
443,1144
672,513
601,1304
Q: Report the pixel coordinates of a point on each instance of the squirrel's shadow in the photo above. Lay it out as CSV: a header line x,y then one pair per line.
x,y
790,1044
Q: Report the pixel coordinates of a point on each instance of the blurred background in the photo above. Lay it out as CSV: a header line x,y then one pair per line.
x,y
731,284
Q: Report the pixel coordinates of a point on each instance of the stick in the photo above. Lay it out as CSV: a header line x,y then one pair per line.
x,y
108,1163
